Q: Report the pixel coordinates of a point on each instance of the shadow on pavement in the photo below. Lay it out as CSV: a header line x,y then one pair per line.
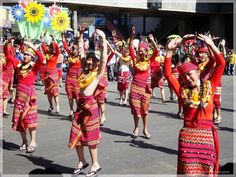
x,y
226,129
63,94
227,109
113,132
60,117
48,165
142,144
49,171
44,112
227,169
117,104
116,92
10,146
167,114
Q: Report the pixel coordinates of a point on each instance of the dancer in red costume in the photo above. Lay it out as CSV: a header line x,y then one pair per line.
x,y
85,130
140,91
125,62
196,156
73,72
51,74
101,91
157,76
8,76
25,109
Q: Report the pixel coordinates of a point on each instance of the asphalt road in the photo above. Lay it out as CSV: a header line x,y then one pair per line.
x,y
119,154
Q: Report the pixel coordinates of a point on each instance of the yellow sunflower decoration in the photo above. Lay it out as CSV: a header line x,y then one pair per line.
x,y
61,21
34,12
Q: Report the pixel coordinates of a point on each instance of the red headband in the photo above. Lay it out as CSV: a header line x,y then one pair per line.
x,y
143,45
186,67
203,49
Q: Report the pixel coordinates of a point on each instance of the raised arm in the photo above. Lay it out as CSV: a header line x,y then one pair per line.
x,y
81,42
210,65
112,53
156,49
44,46
172,45
38,53
131,47
65,45
222,44
103,62
9,55
56,45
219,59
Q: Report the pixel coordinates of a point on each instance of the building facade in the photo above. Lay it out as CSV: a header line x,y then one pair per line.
x,y
162,17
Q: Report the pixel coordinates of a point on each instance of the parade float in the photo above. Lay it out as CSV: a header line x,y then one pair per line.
x,y
34,18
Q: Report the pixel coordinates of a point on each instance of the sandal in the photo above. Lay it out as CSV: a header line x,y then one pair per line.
x,y
78,170
93,173
31,149
147,135
50,110
58,111
70,116
217,121
125,103
102,122
134,135
6,114
23,147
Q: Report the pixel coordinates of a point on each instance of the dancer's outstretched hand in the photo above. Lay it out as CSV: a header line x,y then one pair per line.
x,y
206,39
172,45
100,33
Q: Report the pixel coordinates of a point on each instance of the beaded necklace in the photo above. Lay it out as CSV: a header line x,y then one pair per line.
x,y
126,59
48,56
85,79
25,69
72,59
195,98
142,65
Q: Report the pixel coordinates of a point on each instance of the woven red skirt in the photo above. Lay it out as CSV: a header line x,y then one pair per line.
x,y
25,109
196,155
101,90
123,81
51,82
139,98
157,79
72,85
85,130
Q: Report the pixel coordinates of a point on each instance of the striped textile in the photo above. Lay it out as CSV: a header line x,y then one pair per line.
x,y
85,130
10,74
197,152
51,82
157,79
123,81
176,74
5,85
42,71
217,97
71,85
140,94
217,101
101,90
59,69
25,109
7,78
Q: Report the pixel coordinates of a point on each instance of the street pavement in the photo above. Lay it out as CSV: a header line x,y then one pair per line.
x,y
118,153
